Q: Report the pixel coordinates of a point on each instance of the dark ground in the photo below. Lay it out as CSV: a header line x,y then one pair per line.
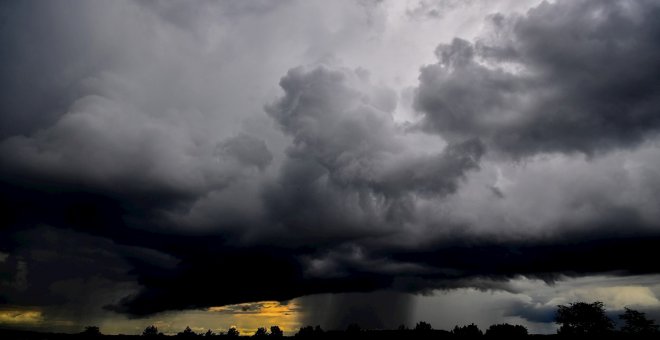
x,y
7,334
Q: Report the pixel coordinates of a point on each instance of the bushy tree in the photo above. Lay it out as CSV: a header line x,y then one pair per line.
x,y
353,328
506,330
187,333
209,333
636,323
581,318
233,332
423,327
276,332
307,331
470,330
261,332
92,331
150,331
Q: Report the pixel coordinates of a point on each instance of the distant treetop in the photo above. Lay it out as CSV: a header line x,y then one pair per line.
x,y
581,318
92,331
150,331
423,327
506,330
233,332
470,330
636,323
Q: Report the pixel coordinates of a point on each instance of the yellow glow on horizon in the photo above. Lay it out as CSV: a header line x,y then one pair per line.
x,y
16,316
247,317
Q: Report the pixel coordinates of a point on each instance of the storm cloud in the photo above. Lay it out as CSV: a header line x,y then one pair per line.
x,y
158,157
349,170
565,77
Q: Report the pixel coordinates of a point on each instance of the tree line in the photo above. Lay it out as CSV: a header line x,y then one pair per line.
x,y
578,319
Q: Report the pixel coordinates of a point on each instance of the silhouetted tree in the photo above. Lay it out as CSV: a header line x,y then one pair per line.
x,y
261,332
305,332
150,331
470,330
402,328
353,328
188,333
506,330
636,323
276,332
92,331
233,332
309,331
209,333
581,318
423,327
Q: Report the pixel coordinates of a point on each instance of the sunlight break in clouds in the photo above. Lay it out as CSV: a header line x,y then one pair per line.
x,y
247,317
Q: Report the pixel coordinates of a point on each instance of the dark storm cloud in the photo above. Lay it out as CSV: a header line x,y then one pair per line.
x,y
247,150
39,92
91,124
330,190
575,76
149,177
70,274
209,276
348,171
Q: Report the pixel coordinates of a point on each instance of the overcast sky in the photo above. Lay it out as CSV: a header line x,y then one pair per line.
x,y
248,163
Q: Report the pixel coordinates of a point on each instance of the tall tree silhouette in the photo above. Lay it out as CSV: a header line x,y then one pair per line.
x,y
150,331
261,332
636,323
276,332
232,332
187,333
581,318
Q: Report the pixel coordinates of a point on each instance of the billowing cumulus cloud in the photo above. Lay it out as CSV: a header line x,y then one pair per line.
x,y
328,191
567,77
349,170
247,150
160,158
